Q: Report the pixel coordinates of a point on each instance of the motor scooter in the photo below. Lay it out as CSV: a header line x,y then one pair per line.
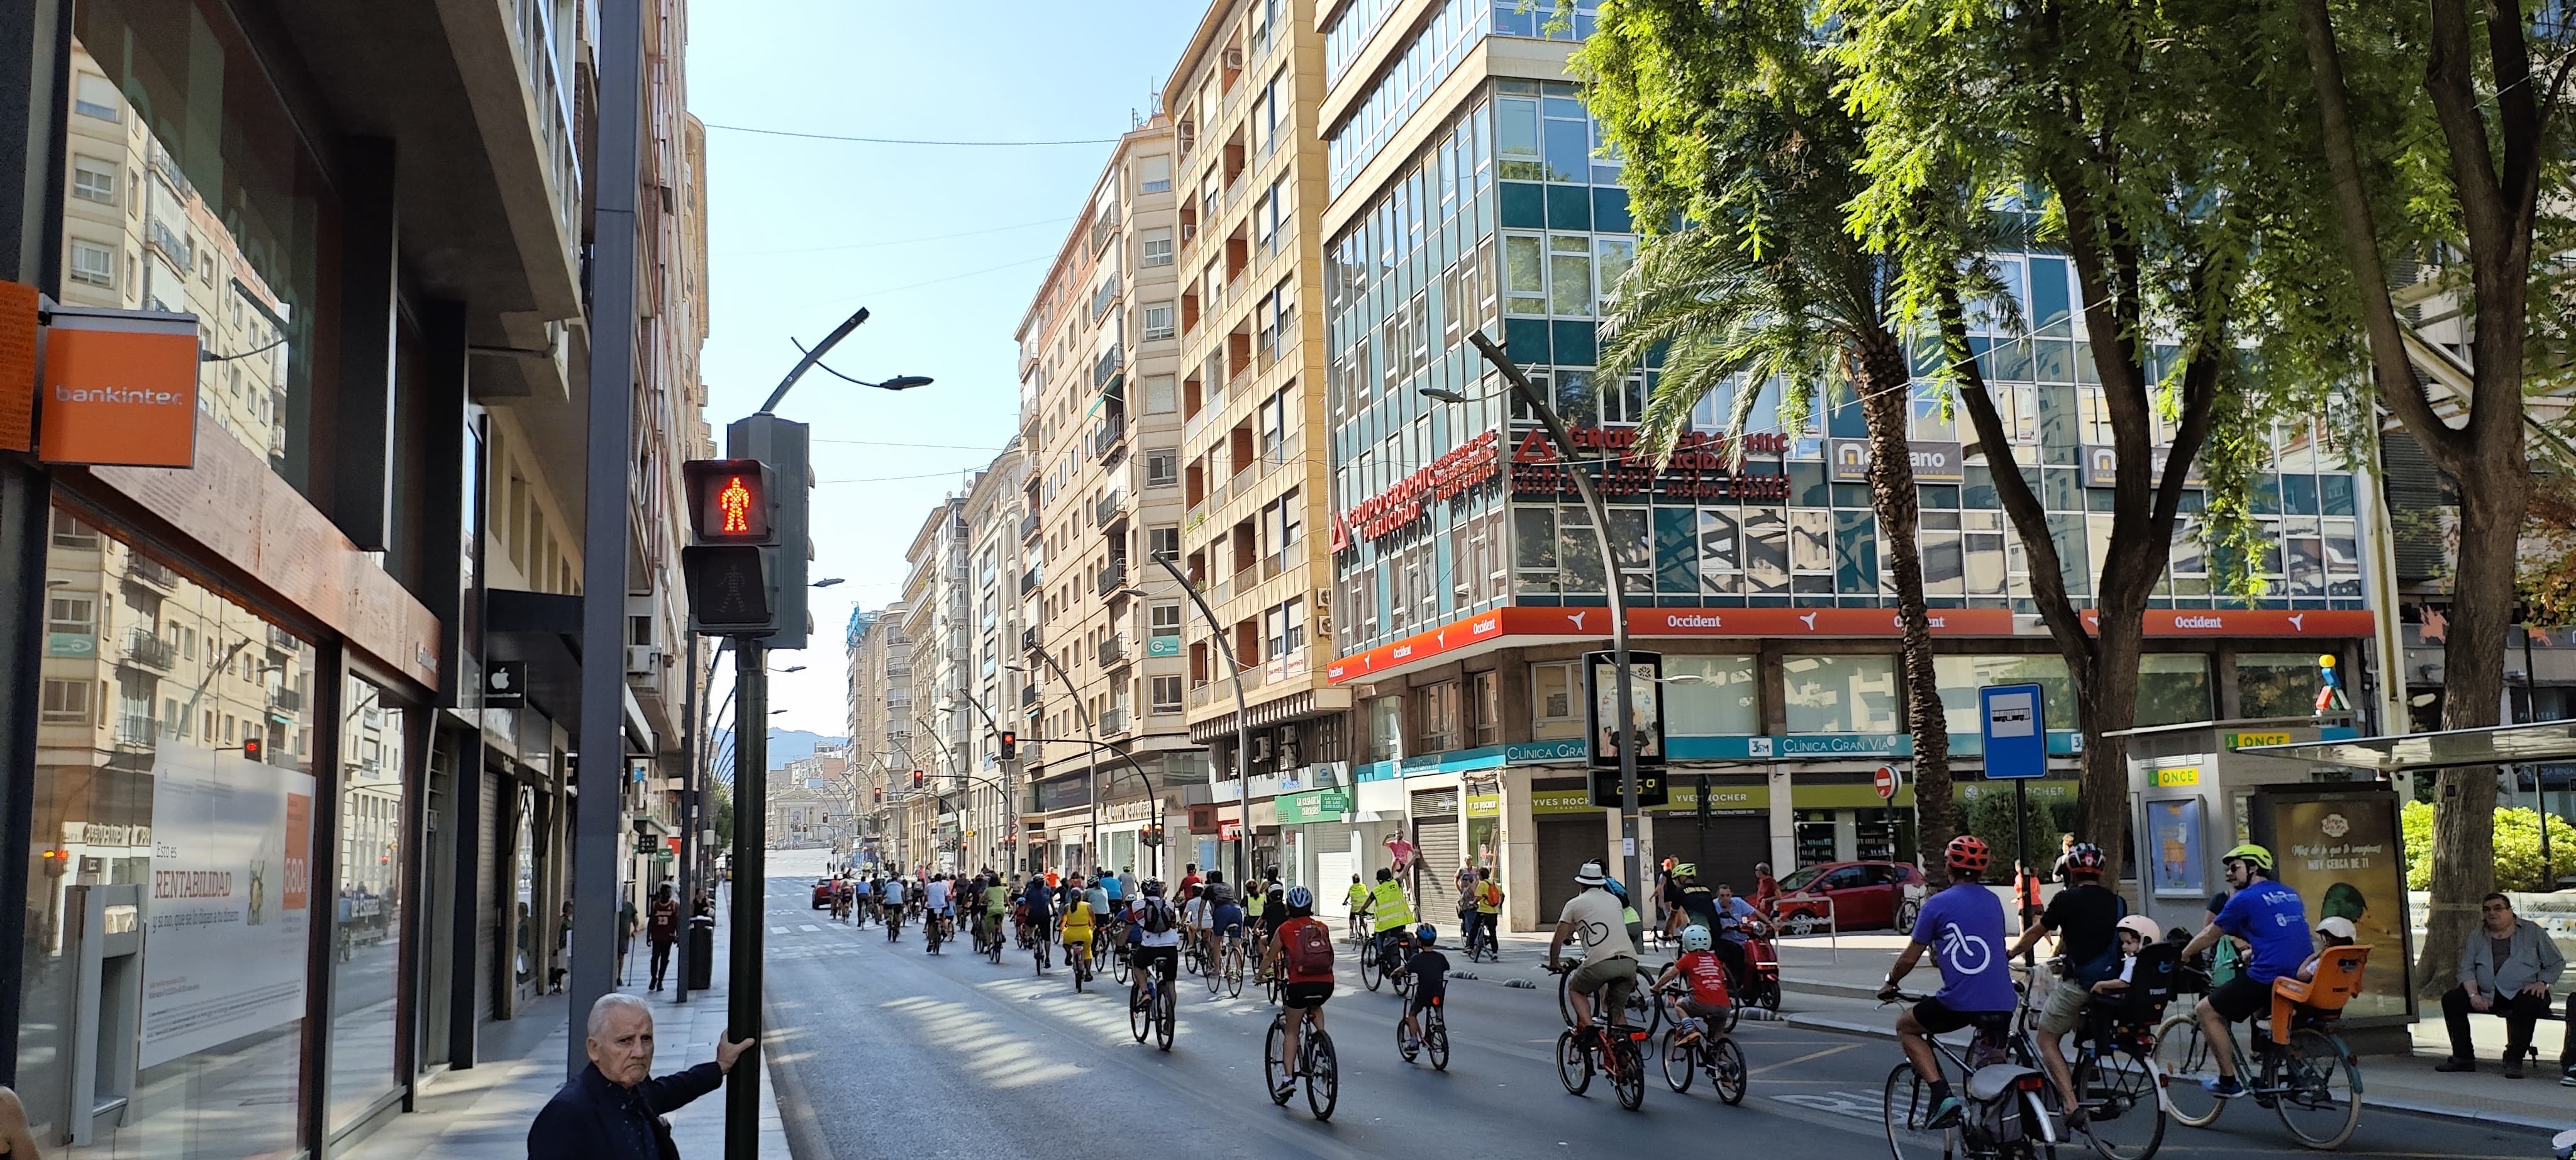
x,y
1762,962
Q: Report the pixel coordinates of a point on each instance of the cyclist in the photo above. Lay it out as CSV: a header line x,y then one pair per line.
x,y
1964,927
1305,952
2085,918
1599,919
1153,939
1430,971
1116,888
1358,904
1706,977
1095,891
1079,925
997,903
1038,899
1224,917
934,905
891,902
1274,911
1389,913
2272,918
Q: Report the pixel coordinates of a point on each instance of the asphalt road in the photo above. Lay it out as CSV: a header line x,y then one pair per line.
x,y
880,1050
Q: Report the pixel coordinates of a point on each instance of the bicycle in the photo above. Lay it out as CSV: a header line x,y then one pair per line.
x,y
1359,930
2000,1098
992,935
1230,968
2311,1080
1435,1035
1316,1062
894,925
1687,1053
931,933
1643,1010
1385,960
1038,949
1078,956
1150,1010
1612,1048
1481,943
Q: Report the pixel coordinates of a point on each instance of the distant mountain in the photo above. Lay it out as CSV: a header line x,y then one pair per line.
x,y
785,745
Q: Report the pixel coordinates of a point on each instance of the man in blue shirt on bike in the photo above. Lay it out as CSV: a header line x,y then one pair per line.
x,y
1963,926
2272,918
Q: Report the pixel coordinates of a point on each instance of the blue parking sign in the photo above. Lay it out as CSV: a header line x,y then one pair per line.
x,y
2014,724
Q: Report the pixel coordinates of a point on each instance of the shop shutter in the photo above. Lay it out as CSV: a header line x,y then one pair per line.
x,y
1726,851
1333,870
1435,850
1565,843
487,933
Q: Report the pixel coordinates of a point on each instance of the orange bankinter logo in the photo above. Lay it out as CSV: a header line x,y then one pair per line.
x,y
735,504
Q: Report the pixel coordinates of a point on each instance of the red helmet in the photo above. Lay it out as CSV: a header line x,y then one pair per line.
x,y
1968,854
2085,858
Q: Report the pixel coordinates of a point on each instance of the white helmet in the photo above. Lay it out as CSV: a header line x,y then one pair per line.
x,y
1694,938
2143,927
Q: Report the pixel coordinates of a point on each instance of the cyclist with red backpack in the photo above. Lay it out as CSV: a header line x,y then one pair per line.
x,y
1304,949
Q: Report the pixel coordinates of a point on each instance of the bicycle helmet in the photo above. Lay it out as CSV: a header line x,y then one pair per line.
x,y
1301,899
2250,854
1694,938
1686,870
1968,854
1427,934
2143,927
1154,888
2085,858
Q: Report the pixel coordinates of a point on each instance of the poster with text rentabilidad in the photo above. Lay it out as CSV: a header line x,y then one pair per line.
x,y
229,906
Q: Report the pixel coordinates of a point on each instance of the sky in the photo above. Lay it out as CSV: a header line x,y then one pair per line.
x,y
943,245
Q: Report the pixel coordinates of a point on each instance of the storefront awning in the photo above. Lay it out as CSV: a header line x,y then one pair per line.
x,y
2545,741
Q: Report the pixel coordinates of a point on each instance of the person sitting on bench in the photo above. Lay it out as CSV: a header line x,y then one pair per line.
x,y
2506,968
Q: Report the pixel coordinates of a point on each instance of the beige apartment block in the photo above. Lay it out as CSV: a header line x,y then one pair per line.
x,y
1244,101
1100,408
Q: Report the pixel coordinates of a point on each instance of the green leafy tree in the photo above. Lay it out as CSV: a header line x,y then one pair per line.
x,y
2518,866
724,816
2083,126
1728,121
2442,163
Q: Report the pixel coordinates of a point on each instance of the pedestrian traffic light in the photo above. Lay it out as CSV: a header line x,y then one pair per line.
x,y
733,524
916,779
1010,745
253,749
783,445
880,792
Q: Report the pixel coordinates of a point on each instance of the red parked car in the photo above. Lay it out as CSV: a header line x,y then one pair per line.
x,y
822,893
1863,896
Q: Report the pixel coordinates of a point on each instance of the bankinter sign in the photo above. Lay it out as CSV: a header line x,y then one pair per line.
x,y
118,387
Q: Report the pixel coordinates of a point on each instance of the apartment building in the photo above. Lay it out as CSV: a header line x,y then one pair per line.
x,y
347,619
1469,189
1245,100
880,676
1108,754
937,622
984,789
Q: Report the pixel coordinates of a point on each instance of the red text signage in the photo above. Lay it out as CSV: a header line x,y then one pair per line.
x,y
1703,466
1401,506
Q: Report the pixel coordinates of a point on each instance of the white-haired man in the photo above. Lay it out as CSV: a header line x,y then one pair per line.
x,y
613,1109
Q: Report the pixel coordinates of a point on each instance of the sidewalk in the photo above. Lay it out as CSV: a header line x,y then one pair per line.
x,y
483,1113
1833,987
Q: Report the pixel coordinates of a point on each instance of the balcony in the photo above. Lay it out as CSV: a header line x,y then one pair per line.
x,y
1028,528
1029,694
1111,510
138,731
1247,576
1028,640
1113,577
1114,723
286,700
1108,438
1107,368
150,651
153,572
1029,581
1113,653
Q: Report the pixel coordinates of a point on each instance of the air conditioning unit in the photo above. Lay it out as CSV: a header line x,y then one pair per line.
x,y
1234,60
643,659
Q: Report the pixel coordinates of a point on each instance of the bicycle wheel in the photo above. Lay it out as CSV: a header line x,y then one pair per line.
x,y
1323,1075
1081,969
1215,980
2183,1059
1908,1106
1643,1010
1234,975
1405,1048
1140,1012
1163,1018
1404,984
1565,1006
2123,1119
1628,1072
1270,1045
1573,1063
1435,1039
1681,1060
1727,1071
1038,955
1118,966
2320,1100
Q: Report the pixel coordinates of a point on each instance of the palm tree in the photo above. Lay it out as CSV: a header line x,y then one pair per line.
x,y
1729,123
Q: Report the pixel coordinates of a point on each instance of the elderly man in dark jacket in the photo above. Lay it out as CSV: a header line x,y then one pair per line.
x,y
613,1110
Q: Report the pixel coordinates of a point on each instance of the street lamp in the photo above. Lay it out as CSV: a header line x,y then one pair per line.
x,y
1242,722
826,582
1091,784
1600,513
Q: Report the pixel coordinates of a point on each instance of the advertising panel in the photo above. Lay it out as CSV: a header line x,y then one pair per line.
x,y
2342,853
230,903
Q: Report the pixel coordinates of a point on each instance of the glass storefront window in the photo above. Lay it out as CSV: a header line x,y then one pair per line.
x,y
1961,676
1721,701
2276,684
373,773
223,214
1556,709
1840,694
2173,688
181,784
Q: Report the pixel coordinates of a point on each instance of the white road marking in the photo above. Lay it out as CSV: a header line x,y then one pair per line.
x,y
778,930
809,926
1842,1103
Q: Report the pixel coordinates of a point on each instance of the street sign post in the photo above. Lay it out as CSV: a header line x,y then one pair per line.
x,y
2013,720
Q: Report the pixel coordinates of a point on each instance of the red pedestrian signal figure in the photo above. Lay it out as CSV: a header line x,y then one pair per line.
x,y
251,749
734,502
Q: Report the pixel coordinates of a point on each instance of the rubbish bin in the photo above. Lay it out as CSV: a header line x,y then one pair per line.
x,y
702,952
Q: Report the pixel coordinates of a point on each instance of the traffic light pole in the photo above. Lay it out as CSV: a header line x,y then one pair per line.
x,y
1242,726
750,890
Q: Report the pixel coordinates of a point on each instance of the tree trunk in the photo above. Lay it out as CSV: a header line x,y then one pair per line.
x,y
1883,380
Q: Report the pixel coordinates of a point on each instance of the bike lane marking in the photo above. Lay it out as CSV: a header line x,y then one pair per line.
x,y
1809,1057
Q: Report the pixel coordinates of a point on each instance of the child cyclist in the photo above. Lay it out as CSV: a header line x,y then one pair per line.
x,y
1703,1008
1430,971
1075,930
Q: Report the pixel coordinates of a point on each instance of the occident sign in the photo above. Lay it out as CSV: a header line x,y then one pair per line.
x,y
1400,507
